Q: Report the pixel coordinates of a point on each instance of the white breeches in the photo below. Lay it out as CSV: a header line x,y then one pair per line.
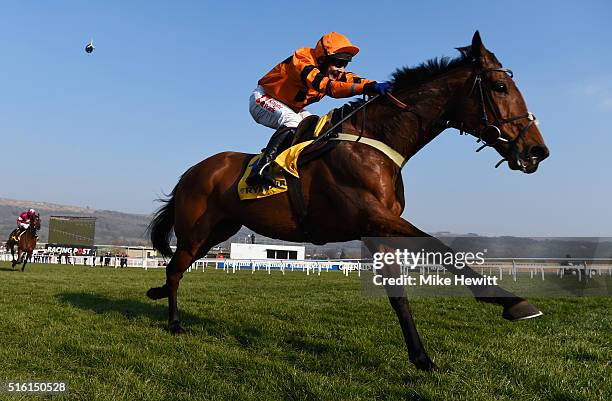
x,y
272,113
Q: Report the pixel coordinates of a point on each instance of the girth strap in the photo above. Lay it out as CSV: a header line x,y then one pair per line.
x,y
296,200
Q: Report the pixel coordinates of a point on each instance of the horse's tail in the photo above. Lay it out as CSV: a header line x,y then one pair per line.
x,y
160,227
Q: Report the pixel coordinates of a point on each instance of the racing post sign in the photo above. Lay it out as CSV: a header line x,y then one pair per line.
x,y
71,250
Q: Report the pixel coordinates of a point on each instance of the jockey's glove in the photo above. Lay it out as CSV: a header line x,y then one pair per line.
x,y
377,88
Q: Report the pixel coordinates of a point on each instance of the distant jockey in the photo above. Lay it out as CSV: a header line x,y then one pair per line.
x,y
24,220
301,79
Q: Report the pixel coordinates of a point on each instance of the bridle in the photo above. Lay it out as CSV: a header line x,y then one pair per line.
x,y
35,224
491,133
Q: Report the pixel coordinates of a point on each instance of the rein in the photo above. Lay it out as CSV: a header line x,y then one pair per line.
x,y
489,134
329,132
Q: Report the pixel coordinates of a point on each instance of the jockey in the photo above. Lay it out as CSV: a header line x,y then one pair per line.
x,y
303,78
24,220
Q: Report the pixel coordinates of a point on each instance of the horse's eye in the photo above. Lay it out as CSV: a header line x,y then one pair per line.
x,y
500,87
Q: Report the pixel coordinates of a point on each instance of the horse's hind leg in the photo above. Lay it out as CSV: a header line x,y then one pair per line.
x,y
13,261
185,255
180,262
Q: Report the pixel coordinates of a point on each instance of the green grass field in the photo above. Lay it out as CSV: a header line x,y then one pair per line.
x,y
292,337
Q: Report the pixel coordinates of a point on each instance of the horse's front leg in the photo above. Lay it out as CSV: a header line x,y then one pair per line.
x,y
26,257
18,260
399,302
384,223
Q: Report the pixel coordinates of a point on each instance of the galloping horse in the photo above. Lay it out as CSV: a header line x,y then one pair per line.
x,y
25,245
355,190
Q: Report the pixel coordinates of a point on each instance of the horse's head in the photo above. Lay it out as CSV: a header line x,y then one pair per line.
x,y
36,222
493,109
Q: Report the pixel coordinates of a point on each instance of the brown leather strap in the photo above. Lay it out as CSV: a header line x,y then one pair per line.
x,y
296,199
396,101
404,107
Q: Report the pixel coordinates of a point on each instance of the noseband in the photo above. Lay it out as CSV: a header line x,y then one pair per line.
x,y
491,133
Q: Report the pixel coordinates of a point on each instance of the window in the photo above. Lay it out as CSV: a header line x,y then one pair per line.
x,y
281,254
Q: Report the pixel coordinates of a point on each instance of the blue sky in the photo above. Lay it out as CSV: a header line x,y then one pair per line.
x,y
169,82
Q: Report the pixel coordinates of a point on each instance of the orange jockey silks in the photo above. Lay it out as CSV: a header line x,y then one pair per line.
x,y
297,81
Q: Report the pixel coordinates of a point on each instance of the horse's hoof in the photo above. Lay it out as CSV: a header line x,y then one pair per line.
x,y
176,328
156,293
521,311
424,363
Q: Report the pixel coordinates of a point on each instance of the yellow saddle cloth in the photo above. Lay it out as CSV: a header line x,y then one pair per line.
x,y
14,237
259,191
287,161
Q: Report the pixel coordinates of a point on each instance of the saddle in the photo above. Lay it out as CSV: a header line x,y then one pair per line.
x,y
306,130
306,146
287,162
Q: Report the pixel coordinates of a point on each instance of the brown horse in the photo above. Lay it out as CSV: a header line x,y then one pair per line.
x,y
25,245
355,190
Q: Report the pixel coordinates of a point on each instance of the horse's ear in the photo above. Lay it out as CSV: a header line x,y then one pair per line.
x,y
478,49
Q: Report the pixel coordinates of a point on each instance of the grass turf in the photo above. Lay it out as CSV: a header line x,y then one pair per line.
x,y
292,337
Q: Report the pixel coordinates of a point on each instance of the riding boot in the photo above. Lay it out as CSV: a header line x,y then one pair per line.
x,y
260,173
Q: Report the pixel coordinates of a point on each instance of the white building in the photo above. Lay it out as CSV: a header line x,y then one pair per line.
x,y
266,251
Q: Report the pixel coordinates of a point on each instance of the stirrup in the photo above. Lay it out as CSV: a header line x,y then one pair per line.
x,y
262,177
268,179
255,176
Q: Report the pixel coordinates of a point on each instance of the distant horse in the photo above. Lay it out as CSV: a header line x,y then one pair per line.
x,y
26,243
355,190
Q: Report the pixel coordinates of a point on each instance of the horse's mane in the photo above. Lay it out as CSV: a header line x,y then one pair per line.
x,y
407,77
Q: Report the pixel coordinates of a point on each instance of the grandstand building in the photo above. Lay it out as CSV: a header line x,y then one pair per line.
x,y
266,251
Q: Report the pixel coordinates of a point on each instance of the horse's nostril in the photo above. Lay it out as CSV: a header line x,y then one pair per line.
x,y
540,152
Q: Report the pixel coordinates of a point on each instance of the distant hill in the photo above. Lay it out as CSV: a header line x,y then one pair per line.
x,y
114,228
117,228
